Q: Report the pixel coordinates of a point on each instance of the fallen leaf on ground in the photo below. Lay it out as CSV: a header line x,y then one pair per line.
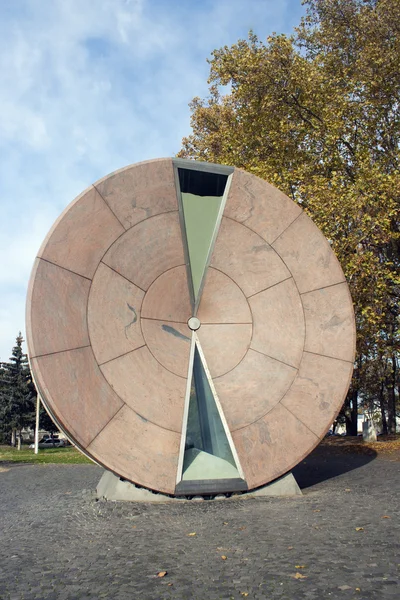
x,y
300,566
192,534
385,517
225,522
170,584
244,593
223,557
359,528
347,490
242,528
162,574
133,526
358,589
343,588
299,576
317,510
290,547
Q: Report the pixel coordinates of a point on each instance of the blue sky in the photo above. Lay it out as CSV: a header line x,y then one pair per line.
x,y
89,86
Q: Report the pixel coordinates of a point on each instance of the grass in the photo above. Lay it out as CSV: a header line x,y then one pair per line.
x,y
68,456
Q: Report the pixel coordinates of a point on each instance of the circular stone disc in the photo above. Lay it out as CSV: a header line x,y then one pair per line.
x,y
116,317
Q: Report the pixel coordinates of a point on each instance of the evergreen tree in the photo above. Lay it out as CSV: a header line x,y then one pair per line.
x,y
17,394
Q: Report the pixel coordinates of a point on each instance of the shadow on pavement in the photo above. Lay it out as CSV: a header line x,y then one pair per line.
x,y
327,462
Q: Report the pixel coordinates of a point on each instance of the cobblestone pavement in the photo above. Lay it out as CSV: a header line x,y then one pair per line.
x,y
340,540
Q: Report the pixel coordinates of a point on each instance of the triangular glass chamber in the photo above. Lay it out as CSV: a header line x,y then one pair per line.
x,y
207,454
202,195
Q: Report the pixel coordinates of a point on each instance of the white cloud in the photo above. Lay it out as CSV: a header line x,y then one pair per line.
x,y
88,87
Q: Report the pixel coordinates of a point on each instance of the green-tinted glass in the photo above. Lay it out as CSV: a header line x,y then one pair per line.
x,y
202,194
207,451
200,216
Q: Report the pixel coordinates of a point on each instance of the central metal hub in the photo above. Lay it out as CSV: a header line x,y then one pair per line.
x,y
194,323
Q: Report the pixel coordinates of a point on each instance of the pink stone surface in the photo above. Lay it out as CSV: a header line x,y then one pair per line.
x,y
148,249
318,391
169,343
247,258
148,388
224,345
308,255
272,445
140,191
329,319
82,234
277,326
168,297
253,388
138,451
259,206
278,329
76,392
222,300
114,315
56,310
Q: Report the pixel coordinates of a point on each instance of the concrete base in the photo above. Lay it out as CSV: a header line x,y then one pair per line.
x,y
111,487
284,486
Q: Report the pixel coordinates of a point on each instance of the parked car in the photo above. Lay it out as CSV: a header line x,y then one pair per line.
x,y
50,443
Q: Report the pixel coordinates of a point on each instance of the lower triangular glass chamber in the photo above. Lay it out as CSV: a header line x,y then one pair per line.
x,y
207,453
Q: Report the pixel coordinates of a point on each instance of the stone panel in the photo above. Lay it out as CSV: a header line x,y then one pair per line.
x,y
114,315
82,234
330,322
148,249
253,388
278,328
148,456
260,206
169,343
318,391
308,255
76,392
148,388
140,191
168,297
272,445
56,310
222,300
247,258
224,345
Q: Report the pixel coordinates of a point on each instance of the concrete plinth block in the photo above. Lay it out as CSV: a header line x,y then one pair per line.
x,y
284,486
111,487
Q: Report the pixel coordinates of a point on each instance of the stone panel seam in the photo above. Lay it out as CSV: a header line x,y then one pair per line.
x,y
331,357
277,359
297,418
263,239
323,287
108,422
108,206
287,226
244,355
126,230
270,286
138,414
65,268
120,356
61,351
120,274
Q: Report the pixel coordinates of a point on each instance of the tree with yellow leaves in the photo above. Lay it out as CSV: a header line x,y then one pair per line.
x,y
317,114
